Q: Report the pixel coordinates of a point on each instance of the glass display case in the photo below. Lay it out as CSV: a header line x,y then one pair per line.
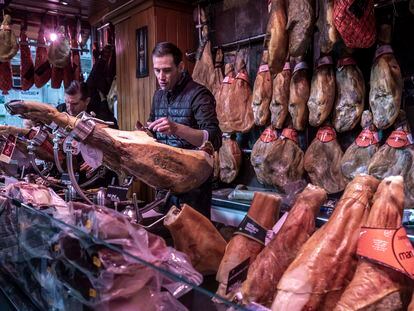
x,y
81,257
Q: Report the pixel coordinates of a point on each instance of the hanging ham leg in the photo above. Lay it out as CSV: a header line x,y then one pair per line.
x,y
264,211
56,77
6,81
238,110
376,287
195,235
134,152
203,72
386,84
262,92
326,262
218,71
298,97
265,272
26,64
42,65
230,158
328,34
350,98
322,93
411,306
300,26
75,58
280,97
322,161
8,41
222,96
277,36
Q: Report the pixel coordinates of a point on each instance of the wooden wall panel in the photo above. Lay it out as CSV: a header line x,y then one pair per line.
x,y
135,95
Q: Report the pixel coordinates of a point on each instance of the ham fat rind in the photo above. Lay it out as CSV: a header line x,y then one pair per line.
x,y
298,97
230,158
326,262
134,152
264,211
266,271
376,287
196,236
280,97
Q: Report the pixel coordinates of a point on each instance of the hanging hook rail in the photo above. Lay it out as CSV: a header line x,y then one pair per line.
x,y
233,44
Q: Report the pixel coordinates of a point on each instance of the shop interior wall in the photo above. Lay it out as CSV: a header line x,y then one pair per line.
x,y
135,94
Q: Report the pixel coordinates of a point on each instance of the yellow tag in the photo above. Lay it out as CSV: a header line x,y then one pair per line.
x,y
92,293
88,224
96,261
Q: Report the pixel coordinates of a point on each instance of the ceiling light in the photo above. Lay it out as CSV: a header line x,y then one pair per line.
x,y
53,37
64,2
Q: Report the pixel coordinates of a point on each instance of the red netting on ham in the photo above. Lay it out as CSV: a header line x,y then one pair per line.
x,y
355,21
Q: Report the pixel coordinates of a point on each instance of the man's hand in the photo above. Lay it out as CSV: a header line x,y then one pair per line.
x,y
164,126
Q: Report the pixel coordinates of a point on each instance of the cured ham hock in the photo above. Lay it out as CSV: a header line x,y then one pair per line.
x,y
196,236
376,287
264,211
134,152
326,262
266,271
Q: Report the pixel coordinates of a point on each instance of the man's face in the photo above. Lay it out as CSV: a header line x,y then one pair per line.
x,y
166,71
74,104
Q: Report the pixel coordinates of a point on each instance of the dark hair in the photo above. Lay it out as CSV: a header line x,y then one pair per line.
x,y
76,87
167,48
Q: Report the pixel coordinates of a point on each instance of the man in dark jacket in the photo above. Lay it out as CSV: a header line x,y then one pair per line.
x,y
183,114
79,98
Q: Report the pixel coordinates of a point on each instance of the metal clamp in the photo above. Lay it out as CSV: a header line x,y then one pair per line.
x,y
56,141
83,129
71,173
40,137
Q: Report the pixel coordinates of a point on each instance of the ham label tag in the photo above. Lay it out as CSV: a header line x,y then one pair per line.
x,y
251,229
228,80
268,135
383,49
243,76
8,149
287,66
326,60
345,62
237,276
367,138
263,68
326,134
388,247
399,139
291,134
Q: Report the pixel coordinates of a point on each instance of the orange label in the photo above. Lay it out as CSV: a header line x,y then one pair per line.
x,y
367,138
268,135
326,134
389,247
399,139
228,80
243,76
263,68
291,134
